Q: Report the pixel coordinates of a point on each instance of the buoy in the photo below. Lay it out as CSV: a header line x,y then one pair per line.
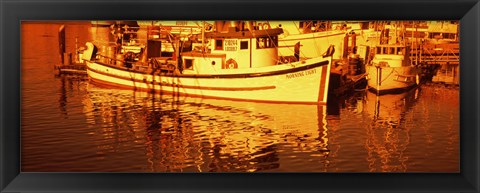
x,y
230,64
266,26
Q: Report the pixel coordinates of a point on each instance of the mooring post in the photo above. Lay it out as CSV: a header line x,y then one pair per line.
x,y
61,42
67,59
61,50
76,50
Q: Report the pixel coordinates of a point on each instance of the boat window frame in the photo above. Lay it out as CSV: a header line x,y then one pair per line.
x,y
301,24
392,50
401,51
244,45
219,46
449,35
267,42
186,61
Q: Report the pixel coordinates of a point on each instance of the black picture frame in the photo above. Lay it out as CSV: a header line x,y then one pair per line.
x,y
13,12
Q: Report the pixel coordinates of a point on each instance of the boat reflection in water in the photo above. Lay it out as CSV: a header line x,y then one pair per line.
x,y
388,135
158,133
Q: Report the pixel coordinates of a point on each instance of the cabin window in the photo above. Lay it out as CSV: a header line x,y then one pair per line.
x,y
391,51
260,43
449,35
267,42
435,35
189,64
274,40
243,45
384,50
218,44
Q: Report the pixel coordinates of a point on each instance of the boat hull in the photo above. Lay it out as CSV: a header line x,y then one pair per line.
x,y
391,79
302,82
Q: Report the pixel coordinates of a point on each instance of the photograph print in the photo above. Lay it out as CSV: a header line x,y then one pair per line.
x,y
240,96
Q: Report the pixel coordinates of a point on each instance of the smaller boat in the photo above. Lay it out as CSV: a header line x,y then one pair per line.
x,y
390,70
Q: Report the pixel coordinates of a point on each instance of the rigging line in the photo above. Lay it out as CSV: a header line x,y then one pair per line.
x,y
299,32
317,49
271,41
381,81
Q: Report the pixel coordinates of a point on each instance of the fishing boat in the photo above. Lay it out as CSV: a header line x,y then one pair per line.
x,y
390,69
237,61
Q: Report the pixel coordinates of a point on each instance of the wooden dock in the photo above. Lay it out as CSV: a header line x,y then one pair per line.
x,y
446,53
441,61
71,69
449,74
343,80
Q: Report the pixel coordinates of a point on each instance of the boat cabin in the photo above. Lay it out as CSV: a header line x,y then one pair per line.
x,y
234,49
391,55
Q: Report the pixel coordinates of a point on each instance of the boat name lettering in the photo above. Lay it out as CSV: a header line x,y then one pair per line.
x,y
300,74
230,45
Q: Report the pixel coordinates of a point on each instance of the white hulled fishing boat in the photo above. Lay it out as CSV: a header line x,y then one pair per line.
x,y
238,61
391,71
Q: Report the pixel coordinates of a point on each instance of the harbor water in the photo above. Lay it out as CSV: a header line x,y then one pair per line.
x,y
69,124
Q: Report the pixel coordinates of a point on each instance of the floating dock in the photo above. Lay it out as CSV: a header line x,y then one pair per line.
x,y
72,69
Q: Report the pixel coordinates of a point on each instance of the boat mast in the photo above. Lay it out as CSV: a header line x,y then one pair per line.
x,y
396,33
416,42
203,37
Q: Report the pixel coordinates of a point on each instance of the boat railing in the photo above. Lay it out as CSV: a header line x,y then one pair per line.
x,y
161,63
109,60
438,54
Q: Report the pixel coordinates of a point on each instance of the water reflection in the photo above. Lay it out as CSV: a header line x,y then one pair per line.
x,y
387,135
62,101
200,135
67,85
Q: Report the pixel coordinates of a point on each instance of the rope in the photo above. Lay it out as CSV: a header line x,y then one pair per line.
x,y
381,81
301,53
